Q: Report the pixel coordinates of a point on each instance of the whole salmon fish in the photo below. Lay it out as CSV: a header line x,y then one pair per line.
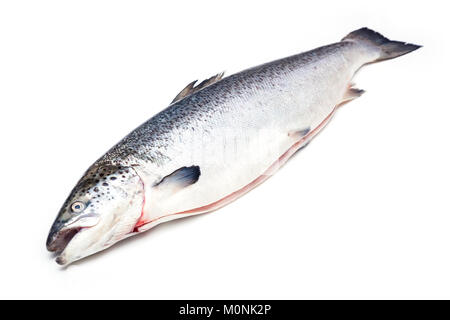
x,y
216,141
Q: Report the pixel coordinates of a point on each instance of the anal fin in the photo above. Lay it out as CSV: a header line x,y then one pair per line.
x,y
350,94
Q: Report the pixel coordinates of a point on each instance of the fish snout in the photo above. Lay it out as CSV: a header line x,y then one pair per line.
x,y
52,235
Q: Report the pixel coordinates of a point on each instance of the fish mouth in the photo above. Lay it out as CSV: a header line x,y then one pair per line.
x,y
62,233
58,241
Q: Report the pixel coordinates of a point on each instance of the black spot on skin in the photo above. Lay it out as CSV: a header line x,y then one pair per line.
x,y
96,189
104,184
113,178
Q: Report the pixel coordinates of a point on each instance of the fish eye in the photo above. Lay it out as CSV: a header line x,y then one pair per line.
x,y
77,206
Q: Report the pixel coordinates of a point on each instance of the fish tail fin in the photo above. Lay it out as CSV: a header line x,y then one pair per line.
x,y
387,49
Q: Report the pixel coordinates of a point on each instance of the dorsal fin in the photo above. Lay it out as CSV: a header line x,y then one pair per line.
x,y
192,88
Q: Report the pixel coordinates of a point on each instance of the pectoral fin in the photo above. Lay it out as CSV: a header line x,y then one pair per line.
x,y
179,179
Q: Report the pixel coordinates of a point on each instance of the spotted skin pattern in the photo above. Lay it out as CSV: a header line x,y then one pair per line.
x,y
214,143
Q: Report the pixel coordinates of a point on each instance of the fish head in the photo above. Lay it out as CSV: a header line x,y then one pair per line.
x,y
102,209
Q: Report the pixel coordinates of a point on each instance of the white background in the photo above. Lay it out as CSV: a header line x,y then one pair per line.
x,y
363,212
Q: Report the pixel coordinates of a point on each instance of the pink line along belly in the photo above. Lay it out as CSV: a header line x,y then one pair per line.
x,y
272,169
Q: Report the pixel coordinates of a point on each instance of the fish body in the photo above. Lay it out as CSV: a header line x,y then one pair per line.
x,y
215,142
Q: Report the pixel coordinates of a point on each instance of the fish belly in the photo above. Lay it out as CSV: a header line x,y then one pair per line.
x,y
257,134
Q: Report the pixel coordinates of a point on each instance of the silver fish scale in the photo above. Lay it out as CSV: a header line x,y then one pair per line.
x,y
218,140
154,140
